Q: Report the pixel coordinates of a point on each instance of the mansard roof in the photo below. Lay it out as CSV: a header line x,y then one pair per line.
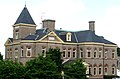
x,y
25,17
76,37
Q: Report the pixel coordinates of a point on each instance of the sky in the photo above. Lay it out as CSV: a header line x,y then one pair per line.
x,y
71,15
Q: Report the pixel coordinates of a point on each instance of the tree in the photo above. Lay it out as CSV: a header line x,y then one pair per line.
x,y
1,56
43,68
10,70
118,51
55,55
75,70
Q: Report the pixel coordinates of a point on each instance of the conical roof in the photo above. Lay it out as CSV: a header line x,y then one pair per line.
x,y
25,17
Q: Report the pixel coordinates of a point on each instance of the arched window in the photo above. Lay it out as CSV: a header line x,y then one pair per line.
x,y
28,52
64,53
106,69
95,53
113,69
90,69
113,54
106,51
44,51
88,52
95,69
16,33
74,53
22,54
100,69
81,53
69,53
16,53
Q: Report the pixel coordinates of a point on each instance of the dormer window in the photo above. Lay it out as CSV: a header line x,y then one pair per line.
x,y
68,37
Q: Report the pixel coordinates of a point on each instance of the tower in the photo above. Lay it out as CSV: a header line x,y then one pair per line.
x,y
23,26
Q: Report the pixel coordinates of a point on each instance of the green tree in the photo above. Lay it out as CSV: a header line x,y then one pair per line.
x,y
10,70
75,70
118,51
55,55
43,68
1,56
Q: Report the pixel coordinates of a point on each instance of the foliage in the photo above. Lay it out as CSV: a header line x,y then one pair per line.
x,y
1,56
118,51
48,67
55,55
75,70
43,68
10,70
110,76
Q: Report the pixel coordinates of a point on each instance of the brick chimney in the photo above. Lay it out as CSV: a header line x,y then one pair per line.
x,y
92,26
49,24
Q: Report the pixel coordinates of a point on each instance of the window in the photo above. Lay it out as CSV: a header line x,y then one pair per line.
x,y
106,70
28,53
89,70
44,52
10,53
89,55
100,70
68,53
100,54
22,52
16,53
81,53
95,73
113,70
106,55
64,53
95,55
17,34
68,36
113,55
74,53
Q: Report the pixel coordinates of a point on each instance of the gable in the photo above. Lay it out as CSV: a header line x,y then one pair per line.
x,y
9,41
51,37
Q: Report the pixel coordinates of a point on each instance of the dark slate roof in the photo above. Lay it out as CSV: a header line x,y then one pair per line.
x,y
83,36
90,36
11,39
25,17
77,37
39,34
62,35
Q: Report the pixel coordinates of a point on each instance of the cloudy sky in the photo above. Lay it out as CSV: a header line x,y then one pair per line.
x,y
70,15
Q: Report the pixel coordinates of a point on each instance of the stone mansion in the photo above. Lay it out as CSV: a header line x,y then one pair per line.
x,y
27,42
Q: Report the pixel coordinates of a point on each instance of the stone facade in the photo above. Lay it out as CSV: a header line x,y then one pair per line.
x,y
27,43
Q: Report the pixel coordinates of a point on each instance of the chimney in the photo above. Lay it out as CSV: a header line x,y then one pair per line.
x,y
92,26
49,24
